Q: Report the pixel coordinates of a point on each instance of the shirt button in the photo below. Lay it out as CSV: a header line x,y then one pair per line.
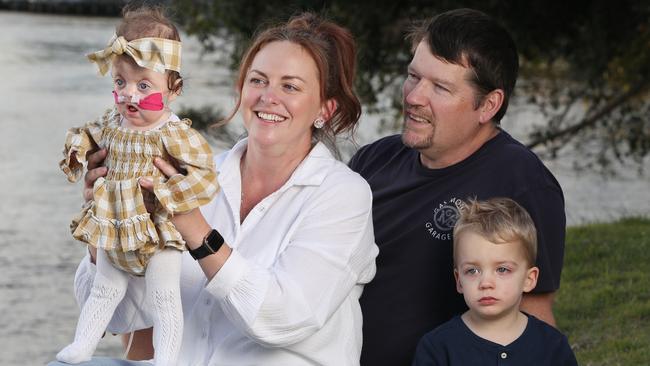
x,y
204,334
207,302
504,355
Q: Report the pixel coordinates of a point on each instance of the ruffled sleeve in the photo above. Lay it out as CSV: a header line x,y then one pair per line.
x,y
181,193
78,141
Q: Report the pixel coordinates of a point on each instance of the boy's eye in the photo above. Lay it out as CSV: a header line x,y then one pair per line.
x,y
472,271
119,82
143,86
503,270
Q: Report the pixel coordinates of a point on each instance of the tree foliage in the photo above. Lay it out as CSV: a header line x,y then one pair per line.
x,y
586,64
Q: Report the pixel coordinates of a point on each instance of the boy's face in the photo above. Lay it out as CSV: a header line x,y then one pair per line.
x,y
492,277
130,80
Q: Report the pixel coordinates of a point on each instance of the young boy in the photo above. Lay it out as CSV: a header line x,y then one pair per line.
x,y
495,248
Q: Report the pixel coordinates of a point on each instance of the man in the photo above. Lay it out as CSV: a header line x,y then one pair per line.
x,y
451,148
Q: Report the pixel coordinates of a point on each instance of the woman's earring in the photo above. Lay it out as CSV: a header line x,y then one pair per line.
x,y
319,122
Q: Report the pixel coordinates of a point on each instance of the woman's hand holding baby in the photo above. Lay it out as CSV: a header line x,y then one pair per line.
x,y
191,224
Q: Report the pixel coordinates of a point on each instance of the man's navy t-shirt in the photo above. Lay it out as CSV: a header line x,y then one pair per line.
x,y
414,212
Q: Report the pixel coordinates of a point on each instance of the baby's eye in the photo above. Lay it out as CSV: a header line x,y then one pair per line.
x,y
143,86
119,82
472,271
503,270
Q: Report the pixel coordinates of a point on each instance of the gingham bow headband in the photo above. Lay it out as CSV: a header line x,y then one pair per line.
x,y
157,54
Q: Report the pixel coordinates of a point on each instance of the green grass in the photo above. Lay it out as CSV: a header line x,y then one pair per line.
x,y
604,301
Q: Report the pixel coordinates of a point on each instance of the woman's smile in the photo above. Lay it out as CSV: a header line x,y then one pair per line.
x,y
270,117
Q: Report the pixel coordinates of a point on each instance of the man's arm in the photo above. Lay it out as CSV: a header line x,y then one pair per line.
x,y
539,305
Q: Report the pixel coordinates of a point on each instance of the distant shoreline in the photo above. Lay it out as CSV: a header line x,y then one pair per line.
x,y
72,7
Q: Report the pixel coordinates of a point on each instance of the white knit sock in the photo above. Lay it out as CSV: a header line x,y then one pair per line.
x,y
164,297
109,287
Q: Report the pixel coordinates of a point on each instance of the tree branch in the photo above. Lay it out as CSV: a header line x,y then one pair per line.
x,y
590,121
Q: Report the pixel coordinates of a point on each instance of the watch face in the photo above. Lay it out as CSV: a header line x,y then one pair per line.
x,y
211,244
214,240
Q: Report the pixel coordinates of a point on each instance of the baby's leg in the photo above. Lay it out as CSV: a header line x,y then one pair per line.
x,y
108,290
163,295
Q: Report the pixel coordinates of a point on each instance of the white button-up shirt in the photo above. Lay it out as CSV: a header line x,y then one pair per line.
x,y
289,292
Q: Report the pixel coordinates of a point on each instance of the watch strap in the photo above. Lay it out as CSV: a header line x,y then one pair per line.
x,y
210,245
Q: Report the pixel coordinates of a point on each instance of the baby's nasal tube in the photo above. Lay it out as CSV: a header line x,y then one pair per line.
x,y
135,99
152,102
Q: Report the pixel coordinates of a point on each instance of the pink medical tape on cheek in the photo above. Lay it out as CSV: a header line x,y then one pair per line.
x,y
153,102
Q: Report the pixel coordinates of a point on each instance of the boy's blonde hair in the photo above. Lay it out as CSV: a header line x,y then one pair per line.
x,y
150,21
499,220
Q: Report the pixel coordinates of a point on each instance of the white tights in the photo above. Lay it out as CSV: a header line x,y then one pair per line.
x,y
162,280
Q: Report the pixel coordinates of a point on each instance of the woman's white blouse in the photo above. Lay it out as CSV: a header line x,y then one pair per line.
x,y
289,292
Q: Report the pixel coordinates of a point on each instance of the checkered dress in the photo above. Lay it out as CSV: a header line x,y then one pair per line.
x,y
116,220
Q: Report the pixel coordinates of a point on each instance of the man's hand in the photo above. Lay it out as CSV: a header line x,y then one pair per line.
x,y
142,345
95,170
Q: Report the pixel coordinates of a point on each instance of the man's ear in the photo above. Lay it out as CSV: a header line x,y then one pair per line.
x,y
459,287
490,105
531,279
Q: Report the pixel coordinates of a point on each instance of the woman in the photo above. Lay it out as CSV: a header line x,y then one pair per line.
x,y
287,245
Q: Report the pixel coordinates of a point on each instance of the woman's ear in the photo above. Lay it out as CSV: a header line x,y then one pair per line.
x,y
328,109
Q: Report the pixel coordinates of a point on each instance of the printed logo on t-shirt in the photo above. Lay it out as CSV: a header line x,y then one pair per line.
x,y
444,218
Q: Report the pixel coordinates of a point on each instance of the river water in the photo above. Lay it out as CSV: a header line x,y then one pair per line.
x,y
48,87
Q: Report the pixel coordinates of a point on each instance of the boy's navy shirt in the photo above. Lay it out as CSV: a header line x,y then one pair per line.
x,y
453,343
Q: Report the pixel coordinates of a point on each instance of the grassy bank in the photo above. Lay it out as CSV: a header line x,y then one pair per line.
x,y
604,301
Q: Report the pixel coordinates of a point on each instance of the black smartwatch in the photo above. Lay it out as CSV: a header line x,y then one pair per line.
x,y
210,245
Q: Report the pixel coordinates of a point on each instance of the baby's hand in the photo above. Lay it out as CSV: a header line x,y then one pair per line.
x,y
95,170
